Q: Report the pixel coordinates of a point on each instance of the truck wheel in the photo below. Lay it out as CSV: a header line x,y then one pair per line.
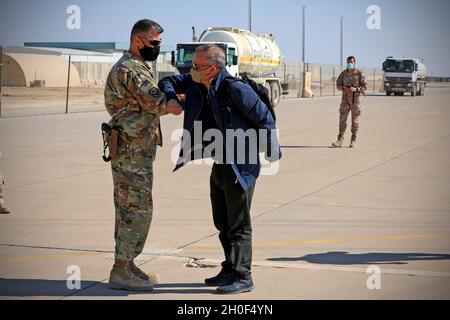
x,y
388,93
269,90
422,90
275,93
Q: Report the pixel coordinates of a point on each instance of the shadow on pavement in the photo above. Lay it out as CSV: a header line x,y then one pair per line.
x,y
345,258
58,288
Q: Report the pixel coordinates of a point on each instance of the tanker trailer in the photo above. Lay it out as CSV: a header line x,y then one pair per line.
x,y
404,75
255,56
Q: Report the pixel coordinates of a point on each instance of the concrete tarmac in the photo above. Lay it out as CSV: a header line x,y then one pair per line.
x,y
323,226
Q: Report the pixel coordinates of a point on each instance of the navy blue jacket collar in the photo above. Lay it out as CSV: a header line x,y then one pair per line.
x,y
220,77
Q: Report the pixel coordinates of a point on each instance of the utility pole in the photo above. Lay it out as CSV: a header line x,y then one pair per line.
x,y
342,43
303,32
250,15
303,50
68,84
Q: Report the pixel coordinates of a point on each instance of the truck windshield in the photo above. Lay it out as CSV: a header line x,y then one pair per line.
x,y
399,66
186,53
186,56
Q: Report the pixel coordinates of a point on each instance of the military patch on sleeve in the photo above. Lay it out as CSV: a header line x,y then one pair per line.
x,y
145,87
155,92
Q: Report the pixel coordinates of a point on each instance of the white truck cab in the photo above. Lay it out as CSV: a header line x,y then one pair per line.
x,y
255,56
185,52
404,75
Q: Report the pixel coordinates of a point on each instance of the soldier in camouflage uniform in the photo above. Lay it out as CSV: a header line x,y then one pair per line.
x,y
3,208
135,103
352,84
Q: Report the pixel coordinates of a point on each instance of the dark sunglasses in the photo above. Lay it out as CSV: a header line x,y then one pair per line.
x,y
197,67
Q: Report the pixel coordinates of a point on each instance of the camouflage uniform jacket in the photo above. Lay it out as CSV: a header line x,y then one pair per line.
x,y
354,79
135,103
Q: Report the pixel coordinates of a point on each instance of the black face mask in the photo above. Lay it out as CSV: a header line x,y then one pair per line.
x,y
149,54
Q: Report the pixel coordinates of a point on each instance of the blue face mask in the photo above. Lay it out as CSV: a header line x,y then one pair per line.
x,y
350,66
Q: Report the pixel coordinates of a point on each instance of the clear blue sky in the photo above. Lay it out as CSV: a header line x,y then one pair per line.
x,y
413,28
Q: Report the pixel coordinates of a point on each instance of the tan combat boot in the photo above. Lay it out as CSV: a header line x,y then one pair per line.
x,y
4,210
122,278
151,277
353,142
339,143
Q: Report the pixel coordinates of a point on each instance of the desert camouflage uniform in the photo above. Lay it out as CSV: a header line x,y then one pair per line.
x,y
2,186
350,103
135,103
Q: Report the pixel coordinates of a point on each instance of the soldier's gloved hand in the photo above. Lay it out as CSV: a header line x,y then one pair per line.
x,y
352,89
174,107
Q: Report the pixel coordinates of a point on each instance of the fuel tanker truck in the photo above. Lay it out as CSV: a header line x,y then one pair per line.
x,y
256,56
404,75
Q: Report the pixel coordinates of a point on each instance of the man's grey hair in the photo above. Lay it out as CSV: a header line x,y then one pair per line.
x,y
214,54
145,25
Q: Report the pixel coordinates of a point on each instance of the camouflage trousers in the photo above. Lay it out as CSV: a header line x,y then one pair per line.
x,y
134,205
2,190
353,107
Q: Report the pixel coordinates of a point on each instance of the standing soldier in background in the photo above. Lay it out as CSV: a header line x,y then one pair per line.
x,y
135,103
352,84
3,208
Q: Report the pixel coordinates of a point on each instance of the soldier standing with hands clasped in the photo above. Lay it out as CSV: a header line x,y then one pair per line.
x,y
135,103
352,84
3,208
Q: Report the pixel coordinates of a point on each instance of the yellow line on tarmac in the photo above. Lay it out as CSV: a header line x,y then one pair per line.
x,y
354,239
290,243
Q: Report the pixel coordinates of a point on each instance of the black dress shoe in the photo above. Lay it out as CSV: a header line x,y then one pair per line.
x,y
239,286
225,277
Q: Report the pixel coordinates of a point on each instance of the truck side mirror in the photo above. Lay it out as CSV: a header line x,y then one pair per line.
x,y
416,66
384,66
235,60
172,60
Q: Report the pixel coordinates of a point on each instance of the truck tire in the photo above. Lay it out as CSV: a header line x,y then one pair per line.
x,y
275,93
269,90
422,90
389,93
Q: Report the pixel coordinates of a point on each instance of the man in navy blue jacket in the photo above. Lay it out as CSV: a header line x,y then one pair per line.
x,y
232,180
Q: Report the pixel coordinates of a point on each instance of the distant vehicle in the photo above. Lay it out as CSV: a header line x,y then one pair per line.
x,y
404,75
256,56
